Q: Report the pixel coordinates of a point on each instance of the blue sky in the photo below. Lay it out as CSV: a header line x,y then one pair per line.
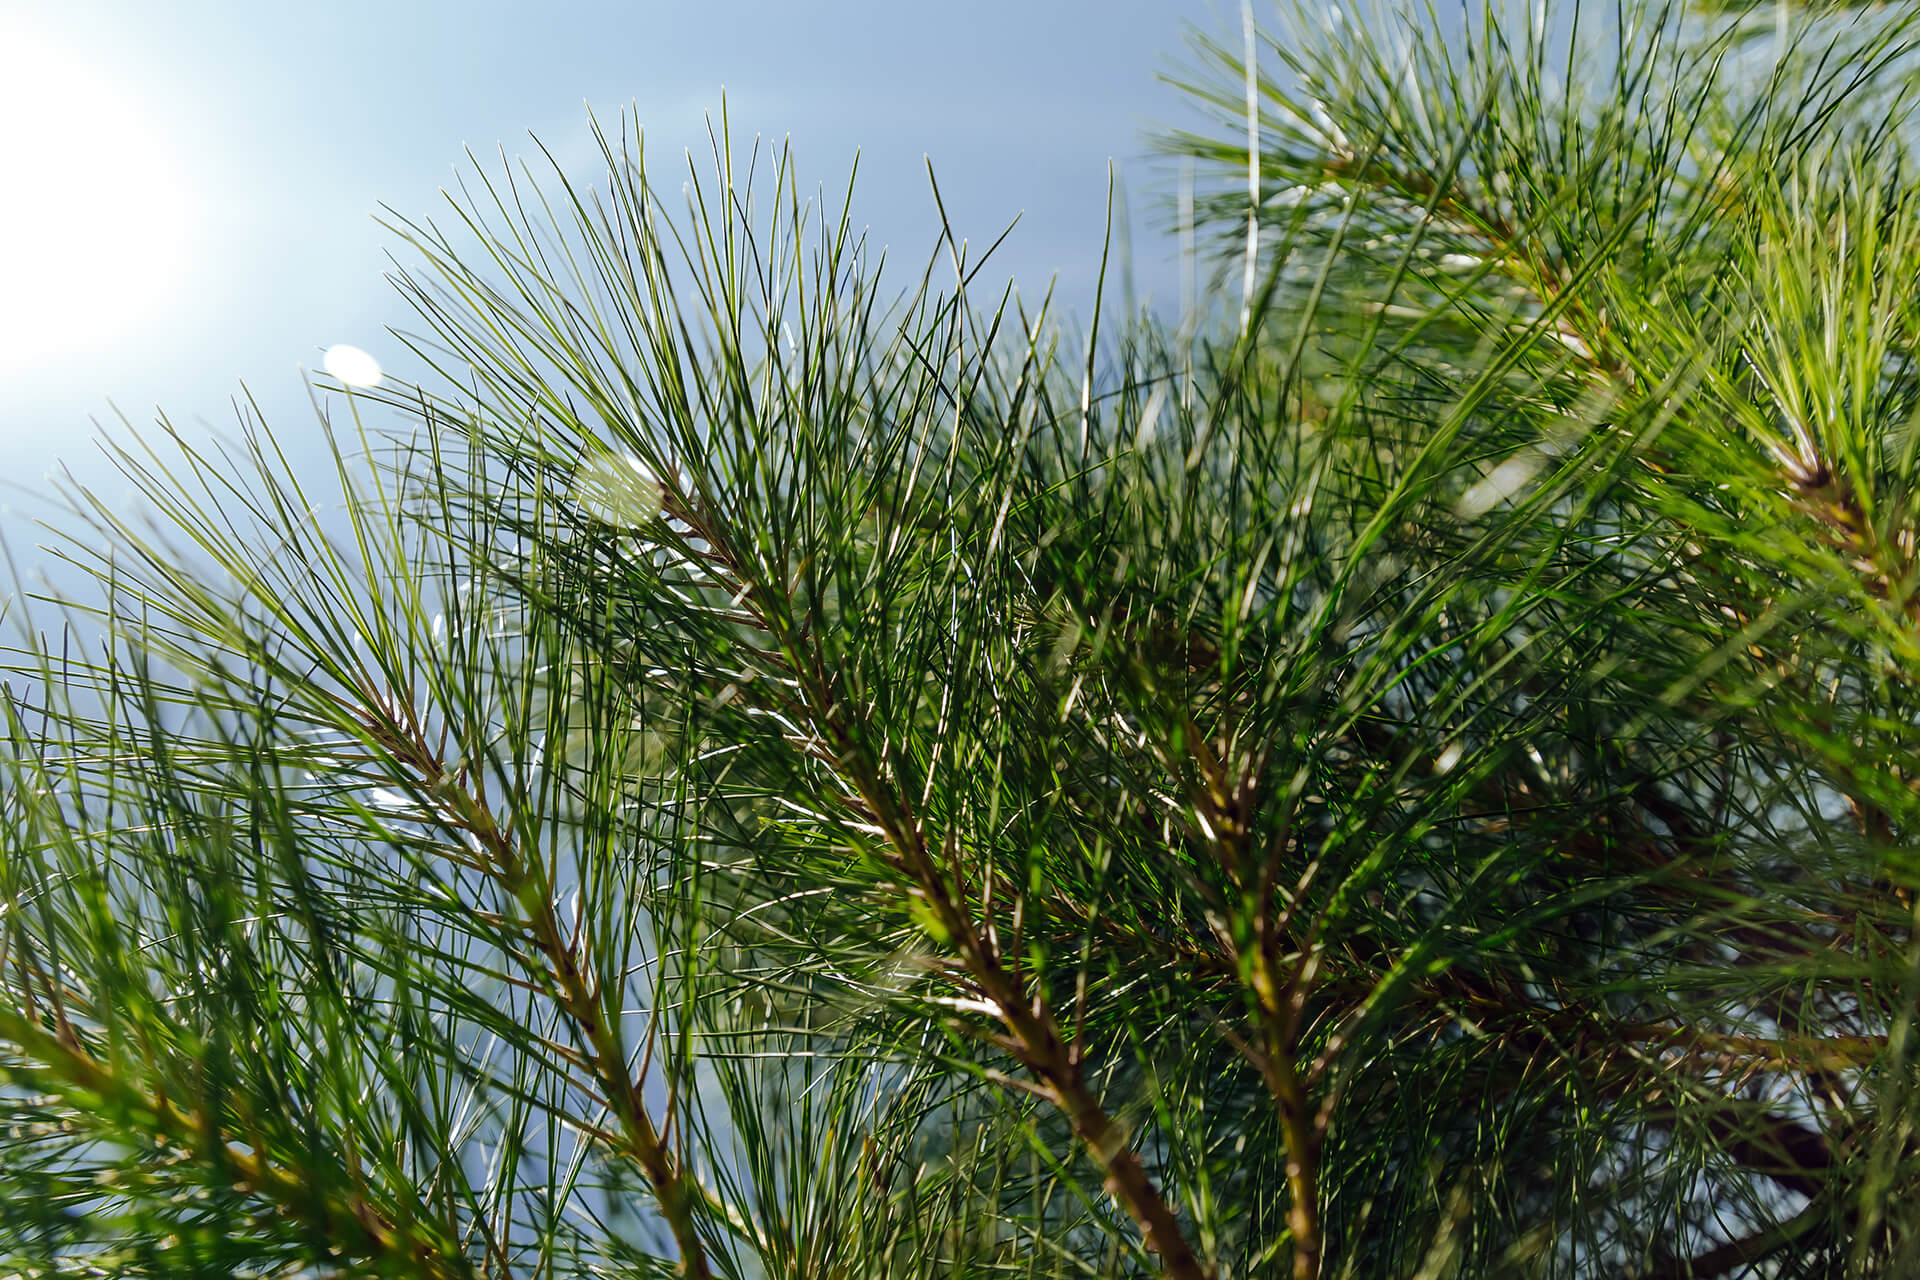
x,y
236,153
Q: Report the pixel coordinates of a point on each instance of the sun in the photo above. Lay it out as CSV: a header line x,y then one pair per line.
x,y
94,216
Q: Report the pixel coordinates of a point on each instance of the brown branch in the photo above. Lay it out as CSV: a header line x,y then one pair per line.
x,y
565,975
1033,1034
1225,799
1781,1150
1744,1252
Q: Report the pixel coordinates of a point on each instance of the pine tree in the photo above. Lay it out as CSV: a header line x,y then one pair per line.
x,y
1406,771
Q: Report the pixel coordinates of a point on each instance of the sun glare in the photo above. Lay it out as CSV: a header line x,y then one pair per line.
x,y
94,218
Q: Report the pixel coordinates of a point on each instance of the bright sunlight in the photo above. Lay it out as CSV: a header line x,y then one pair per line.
x,y
95,221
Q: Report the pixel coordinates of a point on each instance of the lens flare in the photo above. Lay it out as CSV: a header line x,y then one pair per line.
x,y
352,366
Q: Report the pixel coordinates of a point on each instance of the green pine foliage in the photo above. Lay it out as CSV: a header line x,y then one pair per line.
x,y
1409,771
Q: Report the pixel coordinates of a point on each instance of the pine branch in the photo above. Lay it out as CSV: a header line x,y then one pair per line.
x,y
346,1219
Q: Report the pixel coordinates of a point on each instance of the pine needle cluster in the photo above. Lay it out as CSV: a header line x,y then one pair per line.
x,y
753,771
